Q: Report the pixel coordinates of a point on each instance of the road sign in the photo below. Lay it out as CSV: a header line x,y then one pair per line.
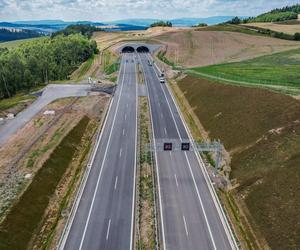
x,y
167,146
185,146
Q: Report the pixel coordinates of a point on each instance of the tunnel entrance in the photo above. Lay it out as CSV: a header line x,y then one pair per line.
x,y
142,49
128,49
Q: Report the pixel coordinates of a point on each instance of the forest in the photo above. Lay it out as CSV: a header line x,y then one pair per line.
x,y
10,35
277,15
38,62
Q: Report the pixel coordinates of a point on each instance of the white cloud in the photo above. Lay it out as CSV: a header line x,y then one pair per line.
x,y
99,10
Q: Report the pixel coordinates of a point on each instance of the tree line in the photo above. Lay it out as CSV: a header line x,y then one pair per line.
x,y
276,15
161,24
83,29
15,34
37,62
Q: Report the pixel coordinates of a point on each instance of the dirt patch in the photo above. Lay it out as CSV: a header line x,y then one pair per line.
x,y
18,227
191,48
13,177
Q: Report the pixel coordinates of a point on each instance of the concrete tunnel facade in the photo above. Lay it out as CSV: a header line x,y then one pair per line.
x,y
138,47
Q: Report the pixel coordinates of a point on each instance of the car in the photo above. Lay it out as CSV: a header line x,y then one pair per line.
x,y
162,80
132,61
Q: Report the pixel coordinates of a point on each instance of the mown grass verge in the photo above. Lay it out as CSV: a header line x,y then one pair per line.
x,y
110,63
161,56
279,71
25,217
85,67
13,101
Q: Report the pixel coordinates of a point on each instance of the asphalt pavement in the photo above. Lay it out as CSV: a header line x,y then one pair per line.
x,y
191,217
104,216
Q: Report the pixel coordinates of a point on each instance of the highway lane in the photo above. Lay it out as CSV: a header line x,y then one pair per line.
x,y
104,218
190,217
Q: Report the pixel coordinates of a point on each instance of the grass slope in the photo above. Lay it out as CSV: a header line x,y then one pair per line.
x,y
25,216
261,129
16,43
280,69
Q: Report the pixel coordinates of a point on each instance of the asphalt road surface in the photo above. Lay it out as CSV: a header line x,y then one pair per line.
x,y
104,216
50,93
190,218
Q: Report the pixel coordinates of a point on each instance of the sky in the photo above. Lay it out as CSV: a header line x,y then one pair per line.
x,y
107,10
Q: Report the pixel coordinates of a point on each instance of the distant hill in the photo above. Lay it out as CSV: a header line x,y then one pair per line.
x,y
179,22
41,22
194,21
11,34
50,26
45,26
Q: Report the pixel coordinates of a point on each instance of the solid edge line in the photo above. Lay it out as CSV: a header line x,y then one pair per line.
x,y
156,164
135,162
216,200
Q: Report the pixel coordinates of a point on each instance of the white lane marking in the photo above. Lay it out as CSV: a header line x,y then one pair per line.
x,y
165,131
116,182
156,165
221,213
123,132
185,226
135,159
176,180
161,115
125,117
192,174
108,228
76,204
120,152
104,158
126,105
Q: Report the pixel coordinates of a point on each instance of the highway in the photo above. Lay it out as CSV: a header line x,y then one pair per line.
x,y
189,211
103,218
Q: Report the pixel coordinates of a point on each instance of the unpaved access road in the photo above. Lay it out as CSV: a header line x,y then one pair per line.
x,y
50,93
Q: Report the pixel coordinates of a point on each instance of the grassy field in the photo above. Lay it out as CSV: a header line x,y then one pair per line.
x,y
231,28
261,130
16,43
110,62
20,224
277,69
290,27
195,48
13,101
